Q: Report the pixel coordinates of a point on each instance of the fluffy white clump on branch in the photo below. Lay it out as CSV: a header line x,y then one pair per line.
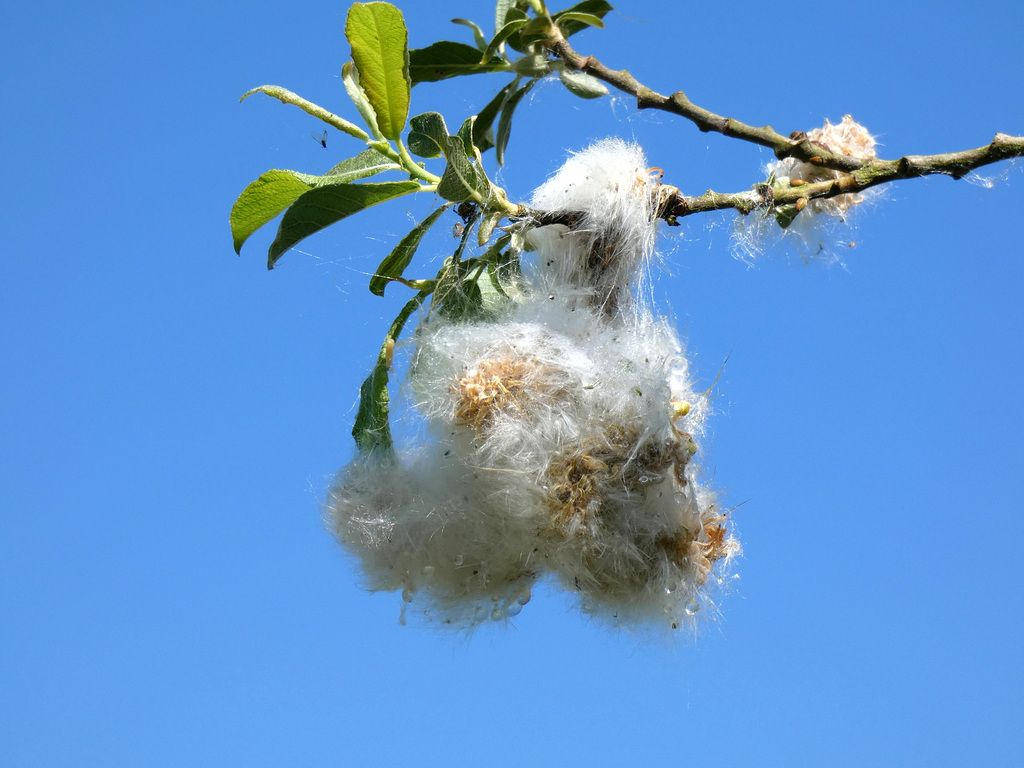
x,y
561,435
810,227
849,138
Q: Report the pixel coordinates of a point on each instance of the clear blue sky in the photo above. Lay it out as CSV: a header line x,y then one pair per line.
x,y
171,413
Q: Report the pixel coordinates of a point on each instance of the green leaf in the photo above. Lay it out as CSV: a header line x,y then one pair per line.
x,y
501,13
581,84
462,180
264,199
585,19
502,35
514,39
395,262
478,34
505,121
428,135
350,77
322,206
573,20
367,163
446,59
371,431
287,97
503,266
464,302
538,28
275,190
457,296
483,135
380,50
466,133
785,214
533,65
487,225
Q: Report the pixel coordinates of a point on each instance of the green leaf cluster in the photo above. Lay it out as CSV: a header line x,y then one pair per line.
x,y
517,47
378,80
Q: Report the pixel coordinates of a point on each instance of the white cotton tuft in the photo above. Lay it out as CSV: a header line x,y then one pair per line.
x,y
561,436
815,224
848,138
609,197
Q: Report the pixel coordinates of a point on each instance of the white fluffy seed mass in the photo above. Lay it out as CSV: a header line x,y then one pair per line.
x,y
561,436
848,138
819,222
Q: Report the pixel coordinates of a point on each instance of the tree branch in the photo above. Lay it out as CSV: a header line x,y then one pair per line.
x,y
796,145
857,174
874,172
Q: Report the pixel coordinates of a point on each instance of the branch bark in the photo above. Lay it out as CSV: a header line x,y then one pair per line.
x,y
857,175
870,174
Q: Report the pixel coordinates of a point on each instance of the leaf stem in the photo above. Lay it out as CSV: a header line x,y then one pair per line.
x,y
414,168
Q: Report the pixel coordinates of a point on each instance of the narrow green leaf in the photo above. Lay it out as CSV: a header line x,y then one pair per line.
x,y
466,134
585,19
514,39
372,430
478,34
322,206
483,133
446,59
570,21
380,50
581,84
287,97
369,162
487,225
505,121
350,77
502,35
500,13
394,263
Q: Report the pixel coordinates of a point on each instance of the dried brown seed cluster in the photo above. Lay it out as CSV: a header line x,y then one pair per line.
x,y
620,459
493,386
848,138
704,549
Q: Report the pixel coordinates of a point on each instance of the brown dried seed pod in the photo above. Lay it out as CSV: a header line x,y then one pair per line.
x,y
494,385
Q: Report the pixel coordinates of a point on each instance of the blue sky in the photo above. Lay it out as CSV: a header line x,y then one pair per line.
x,y
171,413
